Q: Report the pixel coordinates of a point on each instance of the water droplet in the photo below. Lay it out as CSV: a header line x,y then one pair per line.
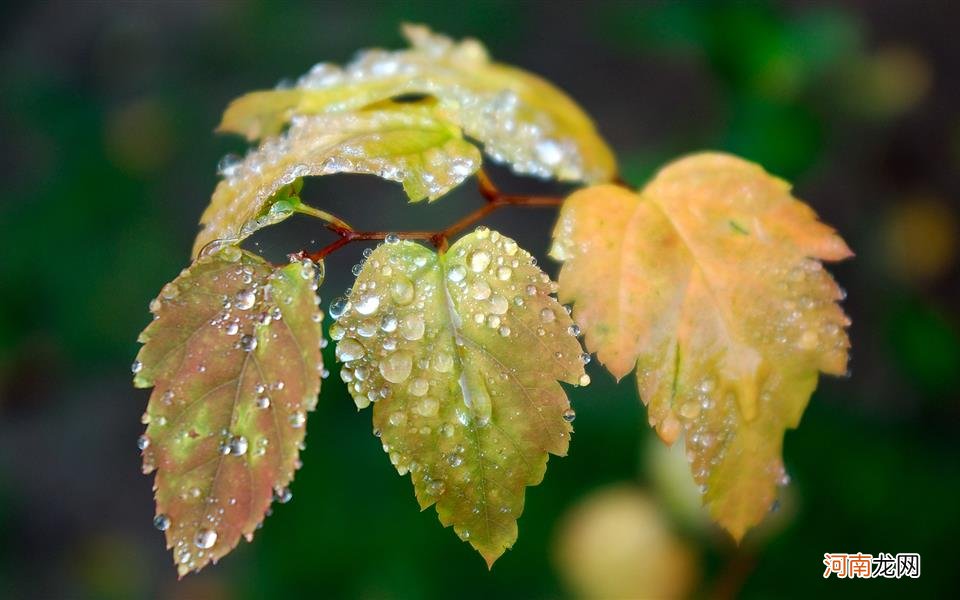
x,y
504,331
396,367
206,538
263,401
418,387
297,419
388,323
499,305
350,349
238,445
479,260
443,362
428,407
412,327
228,165
690,410
401,290
584,380
585,358
368,304
569,415
549,152
245,299
143,442
231,253
547,316
457,274
455,460
574,330
161,522
504,273
337,307
136,367
248,343
392,238
480,290
282,495
367,328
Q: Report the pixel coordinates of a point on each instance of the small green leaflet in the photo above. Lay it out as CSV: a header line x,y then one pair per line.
x,y
410,143
461,354
233,355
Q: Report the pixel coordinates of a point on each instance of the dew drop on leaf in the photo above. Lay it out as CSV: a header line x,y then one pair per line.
x,y
282,495
205,539
401,290
349,349
248,343
245,299
337,307
396,367
161,522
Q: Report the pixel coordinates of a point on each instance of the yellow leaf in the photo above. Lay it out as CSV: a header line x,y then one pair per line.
x,y
709,282
410,143
461,354
520,118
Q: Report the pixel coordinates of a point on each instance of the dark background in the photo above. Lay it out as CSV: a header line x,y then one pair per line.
x,y
107,112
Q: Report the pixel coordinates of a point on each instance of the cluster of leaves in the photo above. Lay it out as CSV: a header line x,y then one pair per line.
x,y
707,282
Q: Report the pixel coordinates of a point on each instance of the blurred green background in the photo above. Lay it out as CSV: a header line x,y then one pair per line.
x,y
107,113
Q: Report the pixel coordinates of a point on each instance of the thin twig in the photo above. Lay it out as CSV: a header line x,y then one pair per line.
x,y
495,200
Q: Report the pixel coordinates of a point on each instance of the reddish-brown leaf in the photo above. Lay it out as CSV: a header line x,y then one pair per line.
x,y
233,357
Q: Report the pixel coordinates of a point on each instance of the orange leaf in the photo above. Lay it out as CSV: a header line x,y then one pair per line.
x,y
709,283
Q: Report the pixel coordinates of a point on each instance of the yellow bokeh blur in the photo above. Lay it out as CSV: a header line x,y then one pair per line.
x,y
617,543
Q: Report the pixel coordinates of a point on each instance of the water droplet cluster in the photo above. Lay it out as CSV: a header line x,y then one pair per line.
x,y
460,355
337,142
516,127
233,355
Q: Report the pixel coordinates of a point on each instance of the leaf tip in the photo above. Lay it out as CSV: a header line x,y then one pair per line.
x,y
491,557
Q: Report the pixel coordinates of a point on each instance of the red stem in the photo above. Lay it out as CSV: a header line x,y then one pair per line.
x,y
494,201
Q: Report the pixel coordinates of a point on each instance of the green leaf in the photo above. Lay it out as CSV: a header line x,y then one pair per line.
x,y
409,143
520,118
233,357
461,353
709,283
